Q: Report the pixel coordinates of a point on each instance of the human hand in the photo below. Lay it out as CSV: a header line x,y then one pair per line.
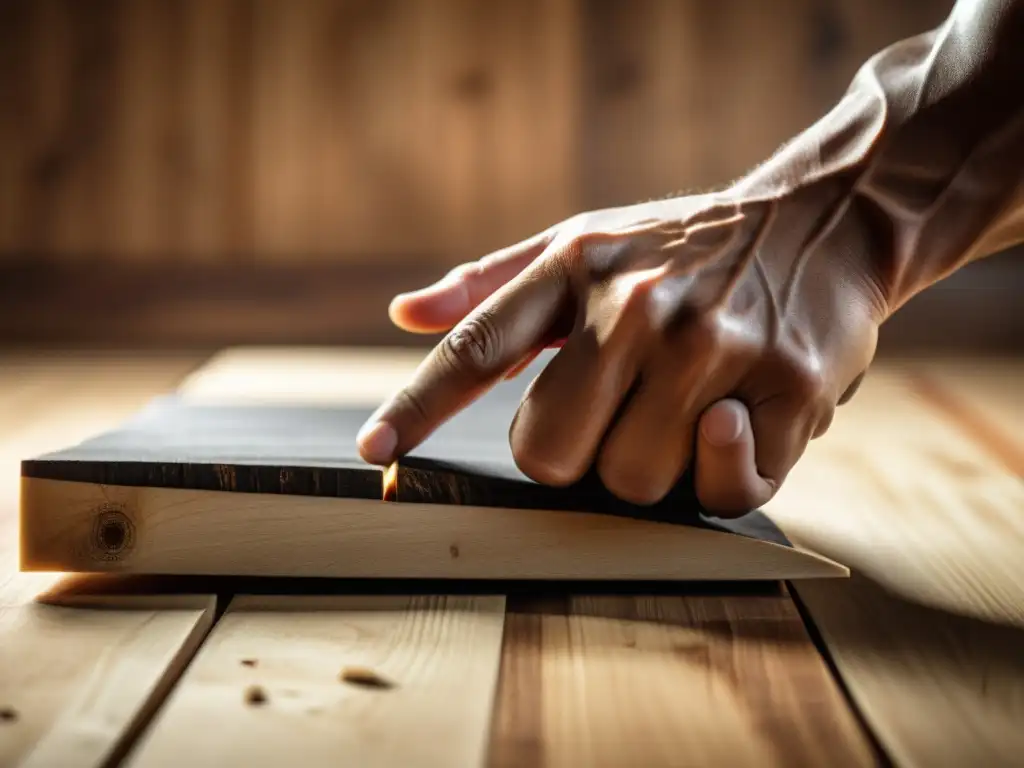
x,y
716,330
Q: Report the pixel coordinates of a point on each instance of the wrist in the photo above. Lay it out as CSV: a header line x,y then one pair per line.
x,y
922,154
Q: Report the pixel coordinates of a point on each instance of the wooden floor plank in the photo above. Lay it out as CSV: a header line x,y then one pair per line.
x,y
79,673
928,632
367,681
984,397
659,681
330,376
937,689
898,492
81,676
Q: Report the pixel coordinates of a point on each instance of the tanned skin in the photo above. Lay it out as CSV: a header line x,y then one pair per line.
x,y
736,322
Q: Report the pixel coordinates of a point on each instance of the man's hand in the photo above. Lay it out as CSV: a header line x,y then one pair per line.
x,y
717,329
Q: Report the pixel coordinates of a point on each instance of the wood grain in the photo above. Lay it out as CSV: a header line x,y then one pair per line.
x,y
937,689
983,398
688,95
902,495
434,661
82,678
927,632
178,531
241,131
330,376
696,681
295,449
79,672
314,130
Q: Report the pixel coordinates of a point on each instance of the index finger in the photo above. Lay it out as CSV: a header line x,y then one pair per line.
x,y
473,357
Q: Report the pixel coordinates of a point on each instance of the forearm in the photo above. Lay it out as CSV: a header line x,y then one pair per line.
x,y
927,148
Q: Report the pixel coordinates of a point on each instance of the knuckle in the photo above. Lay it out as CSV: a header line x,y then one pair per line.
x,y
703,331
806,380
534,462
475,345
629,481
636,295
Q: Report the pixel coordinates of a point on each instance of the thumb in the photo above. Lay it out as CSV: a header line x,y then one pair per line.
x,y
727,480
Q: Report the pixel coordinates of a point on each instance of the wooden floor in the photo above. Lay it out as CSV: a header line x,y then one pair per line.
x,y
916,660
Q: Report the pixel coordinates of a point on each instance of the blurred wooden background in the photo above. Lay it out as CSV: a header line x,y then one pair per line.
x,y
224,171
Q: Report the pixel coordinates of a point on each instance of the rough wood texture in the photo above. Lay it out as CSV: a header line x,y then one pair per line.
x,y
368,681
702,681
79,674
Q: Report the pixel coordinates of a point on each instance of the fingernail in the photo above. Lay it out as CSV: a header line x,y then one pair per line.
x,y
377,442
723,424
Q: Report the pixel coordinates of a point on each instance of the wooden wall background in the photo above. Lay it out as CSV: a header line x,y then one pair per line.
x,y
219,171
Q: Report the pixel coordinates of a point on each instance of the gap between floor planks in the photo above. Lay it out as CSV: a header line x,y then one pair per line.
x,y
935,553
336,680
659,680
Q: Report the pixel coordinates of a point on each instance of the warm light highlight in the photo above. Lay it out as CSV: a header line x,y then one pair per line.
x,y
391,483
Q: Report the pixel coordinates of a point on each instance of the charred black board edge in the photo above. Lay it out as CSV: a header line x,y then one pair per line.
x,y
330,482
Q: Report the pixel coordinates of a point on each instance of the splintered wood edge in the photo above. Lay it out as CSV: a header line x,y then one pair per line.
x,y
95,528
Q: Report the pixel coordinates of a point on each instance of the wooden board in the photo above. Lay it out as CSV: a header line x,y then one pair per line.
x,y
96,528
435,660
287,480
666,680
80,671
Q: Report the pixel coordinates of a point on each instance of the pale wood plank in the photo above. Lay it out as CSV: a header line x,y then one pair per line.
x,y
80,672
984,397
937,689
658,681
438,655
899,493
930,523
82,678
313,375
182,531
